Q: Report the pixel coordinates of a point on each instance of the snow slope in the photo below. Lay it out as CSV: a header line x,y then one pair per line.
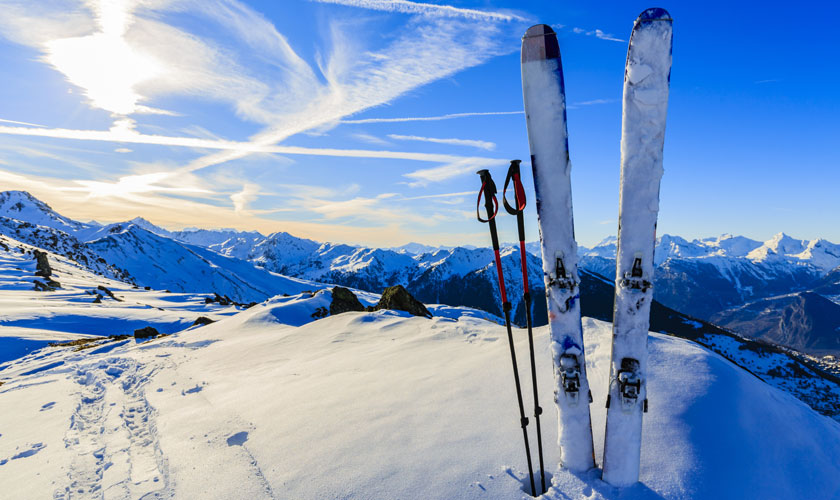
x,y
379,405
30,319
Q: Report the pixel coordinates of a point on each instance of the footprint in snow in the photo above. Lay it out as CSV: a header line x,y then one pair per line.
x,y
48,406
193,390
237,439
31,451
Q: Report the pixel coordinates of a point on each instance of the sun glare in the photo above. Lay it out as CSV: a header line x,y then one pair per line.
x,y
104,64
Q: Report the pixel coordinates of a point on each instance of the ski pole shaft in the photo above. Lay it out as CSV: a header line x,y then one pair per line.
x,y
491,205
519,201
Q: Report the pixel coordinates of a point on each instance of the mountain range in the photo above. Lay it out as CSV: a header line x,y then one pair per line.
x,y
782,290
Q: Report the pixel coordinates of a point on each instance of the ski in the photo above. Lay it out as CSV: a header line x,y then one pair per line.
x,y
645,102
545,113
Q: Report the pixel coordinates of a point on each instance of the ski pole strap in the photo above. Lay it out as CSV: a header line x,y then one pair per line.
x,y
518,190
488,190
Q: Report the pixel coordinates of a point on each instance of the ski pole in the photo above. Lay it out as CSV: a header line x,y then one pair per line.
x,y
519,200
491,205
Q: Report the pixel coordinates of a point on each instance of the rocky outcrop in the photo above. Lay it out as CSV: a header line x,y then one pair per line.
x,y
147,332
107,292
203,320
343,300
42,265
398,299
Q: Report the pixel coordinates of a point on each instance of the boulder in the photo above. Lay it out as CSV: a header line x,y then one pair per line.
x,y
397,298
42,265
203,320
148,332
343,300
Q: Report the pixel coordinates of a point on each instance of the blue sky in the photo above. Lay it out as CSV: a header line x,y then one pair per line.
x,y
363,121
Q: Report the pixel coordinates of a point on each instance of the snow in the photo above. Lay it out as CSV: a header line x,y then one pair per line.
x,y
382,405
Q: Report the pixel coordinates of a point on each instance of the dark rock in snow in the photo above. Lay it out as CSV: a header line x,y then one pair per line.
x,y
343,300
398,298
108,293
46,286
148,332
43,265
203,320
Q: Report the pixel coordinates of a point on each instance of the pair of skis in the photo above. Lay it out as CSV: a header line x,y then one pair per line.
x,y
491,206
645,101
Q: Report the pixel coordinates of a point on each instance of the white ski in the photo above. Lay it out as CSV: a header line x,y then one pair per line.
x,y
646,81
545,113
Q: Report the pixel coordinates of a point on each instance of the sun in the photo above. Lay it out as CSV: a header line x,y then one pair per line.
x,y
104,64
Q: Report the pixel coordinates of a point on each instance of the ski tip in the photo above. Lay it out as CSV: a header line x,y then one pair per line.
x,y
653,14
539,43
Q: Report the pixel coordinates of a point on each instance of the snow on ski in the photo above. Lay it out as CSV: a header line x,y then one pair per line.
x,y
545,112
646,80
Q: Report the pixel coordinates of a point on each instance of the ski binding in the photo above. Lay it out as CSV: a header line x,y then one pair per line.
x,y
634,279
560,278
629,383
570,375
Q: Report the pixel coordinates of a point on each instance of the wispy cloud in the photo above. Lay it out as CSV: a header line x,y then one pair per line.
x,y
771,80
600,34
427,9
489,146
426,176
592,102
124,135
450,116
243,198
606,36
257,73
177,213
370,139
21,123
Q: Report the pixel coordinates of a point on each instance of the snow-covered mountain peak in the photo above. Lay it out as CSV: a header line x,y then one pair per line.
x,y
730,246
21,205
148,226
605,248
785,245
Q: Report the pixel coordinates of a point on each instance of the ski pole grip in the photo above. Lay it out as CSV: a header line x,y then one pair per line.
x,y
488,190
518,191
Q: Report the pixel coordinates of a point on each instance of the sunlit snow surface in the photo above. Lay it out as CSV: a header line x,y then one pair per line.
x,y
270,403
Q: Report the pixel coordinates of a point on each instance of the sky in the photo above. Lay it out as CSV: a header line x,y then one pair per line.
x,y
364,121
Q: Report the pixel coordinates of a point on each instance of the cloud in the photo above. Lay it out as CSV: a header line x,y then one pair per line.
x,y
594,101
445,172
431,118
177,213
591,102
370,139
123,133
426,9
123,150
257,73
21,123
452,142
600,34
606,36
243,198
